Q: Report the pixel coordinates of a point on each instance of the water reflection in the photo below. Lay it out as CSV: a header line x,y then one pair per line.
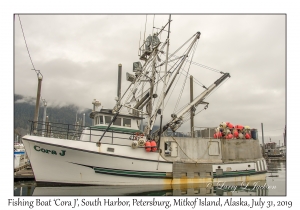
x,y
276,176
153,190
274,185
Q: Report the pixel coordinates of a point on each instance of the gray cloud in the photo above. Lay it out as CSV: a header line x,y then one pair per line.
x,y
78,56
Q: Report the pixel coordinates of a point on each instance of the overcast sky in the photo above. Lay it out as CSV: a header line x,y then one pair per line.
x,y
78,56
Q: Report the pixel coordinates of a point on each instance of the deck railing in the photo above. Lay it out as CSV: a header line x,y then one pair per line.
x,y
75,131
68,131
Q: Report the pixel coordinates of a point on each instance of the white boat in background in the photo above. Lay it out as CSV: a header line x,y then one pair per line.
x,y
114,151
19,153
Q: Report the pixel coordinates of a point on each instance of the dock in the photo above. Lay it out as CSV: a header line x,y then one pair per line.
x,y
23,170
275,158
24,173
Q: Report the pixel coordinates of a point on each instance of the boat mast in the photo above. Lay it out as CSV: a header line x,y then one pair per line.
x,y
173,79
149,106
165,82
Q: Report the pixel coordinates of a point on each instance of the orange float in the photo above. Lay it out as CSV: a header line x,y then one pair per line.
x,y
148,146
229,125
218,135
235,134
239,127
153,146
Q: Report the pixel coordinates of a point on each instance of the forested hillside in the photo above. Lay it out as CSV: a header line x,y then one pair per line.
x,y
24,111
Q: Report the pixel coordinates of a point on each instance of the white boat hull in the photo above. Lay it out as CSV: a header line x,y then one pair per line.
x,y
93,165
78,162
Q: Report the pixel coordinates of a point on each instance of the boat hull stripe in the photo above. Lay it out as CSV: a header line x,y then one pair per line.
x,y
131,173
238,173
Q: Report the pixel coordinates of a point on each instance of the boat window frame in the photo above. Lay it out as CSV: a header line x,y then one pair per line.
x,y
121,120
99,120
124,125
101,117
107,117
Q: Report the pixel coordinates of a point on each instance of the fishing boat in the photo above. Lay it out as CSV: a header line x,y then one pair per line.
x,y
120,149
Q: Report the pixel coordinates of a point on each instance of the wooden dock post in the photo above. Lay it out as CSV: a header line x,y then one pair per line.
x,y
37,104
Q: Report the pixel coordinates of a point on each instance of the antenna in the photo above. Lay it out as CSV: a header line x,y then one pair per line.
x,y
96,104
153,24
139,49
145,29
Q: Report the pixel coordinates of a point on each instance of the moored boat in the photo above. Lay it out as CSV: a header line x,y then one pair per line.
x,y
119,150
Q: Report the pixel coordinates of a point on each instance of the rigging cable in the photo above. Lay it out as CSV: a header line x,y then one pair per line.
x,y
182,88
153,24
205,98
145,29
37,71
203,66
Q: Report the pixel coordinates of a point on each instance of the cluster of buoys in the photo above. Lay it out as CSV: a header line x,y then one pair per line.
x,y
150,146
226,130
139,140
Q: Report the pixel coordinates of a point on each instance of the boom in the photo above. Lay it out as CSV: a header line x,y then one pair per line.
x,y
177,120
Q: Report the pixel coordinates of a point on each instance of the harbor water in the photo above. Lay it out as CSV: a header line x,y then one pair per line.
x,y
275,185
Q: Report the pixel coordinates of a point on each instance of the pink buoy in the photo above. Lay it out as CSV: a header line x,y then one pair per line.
x,y
229,125
235,134
247,136
229,136
218,135
239,127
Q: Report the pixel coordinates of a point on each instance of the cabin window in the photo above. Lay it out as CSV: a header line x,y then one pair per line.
x,y
107,119
126,122
117,121
101,119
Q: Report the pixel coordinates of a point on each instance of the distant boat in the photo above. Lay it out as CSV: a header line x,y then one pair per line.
x,y
272,150
19,152
114,151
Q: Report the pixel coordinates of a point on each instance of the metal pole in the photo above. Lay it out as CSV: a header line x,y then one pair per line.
x,y
44,117
47,126
284,141
36,113
262,136
192,108
119,83
83,121
165,85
